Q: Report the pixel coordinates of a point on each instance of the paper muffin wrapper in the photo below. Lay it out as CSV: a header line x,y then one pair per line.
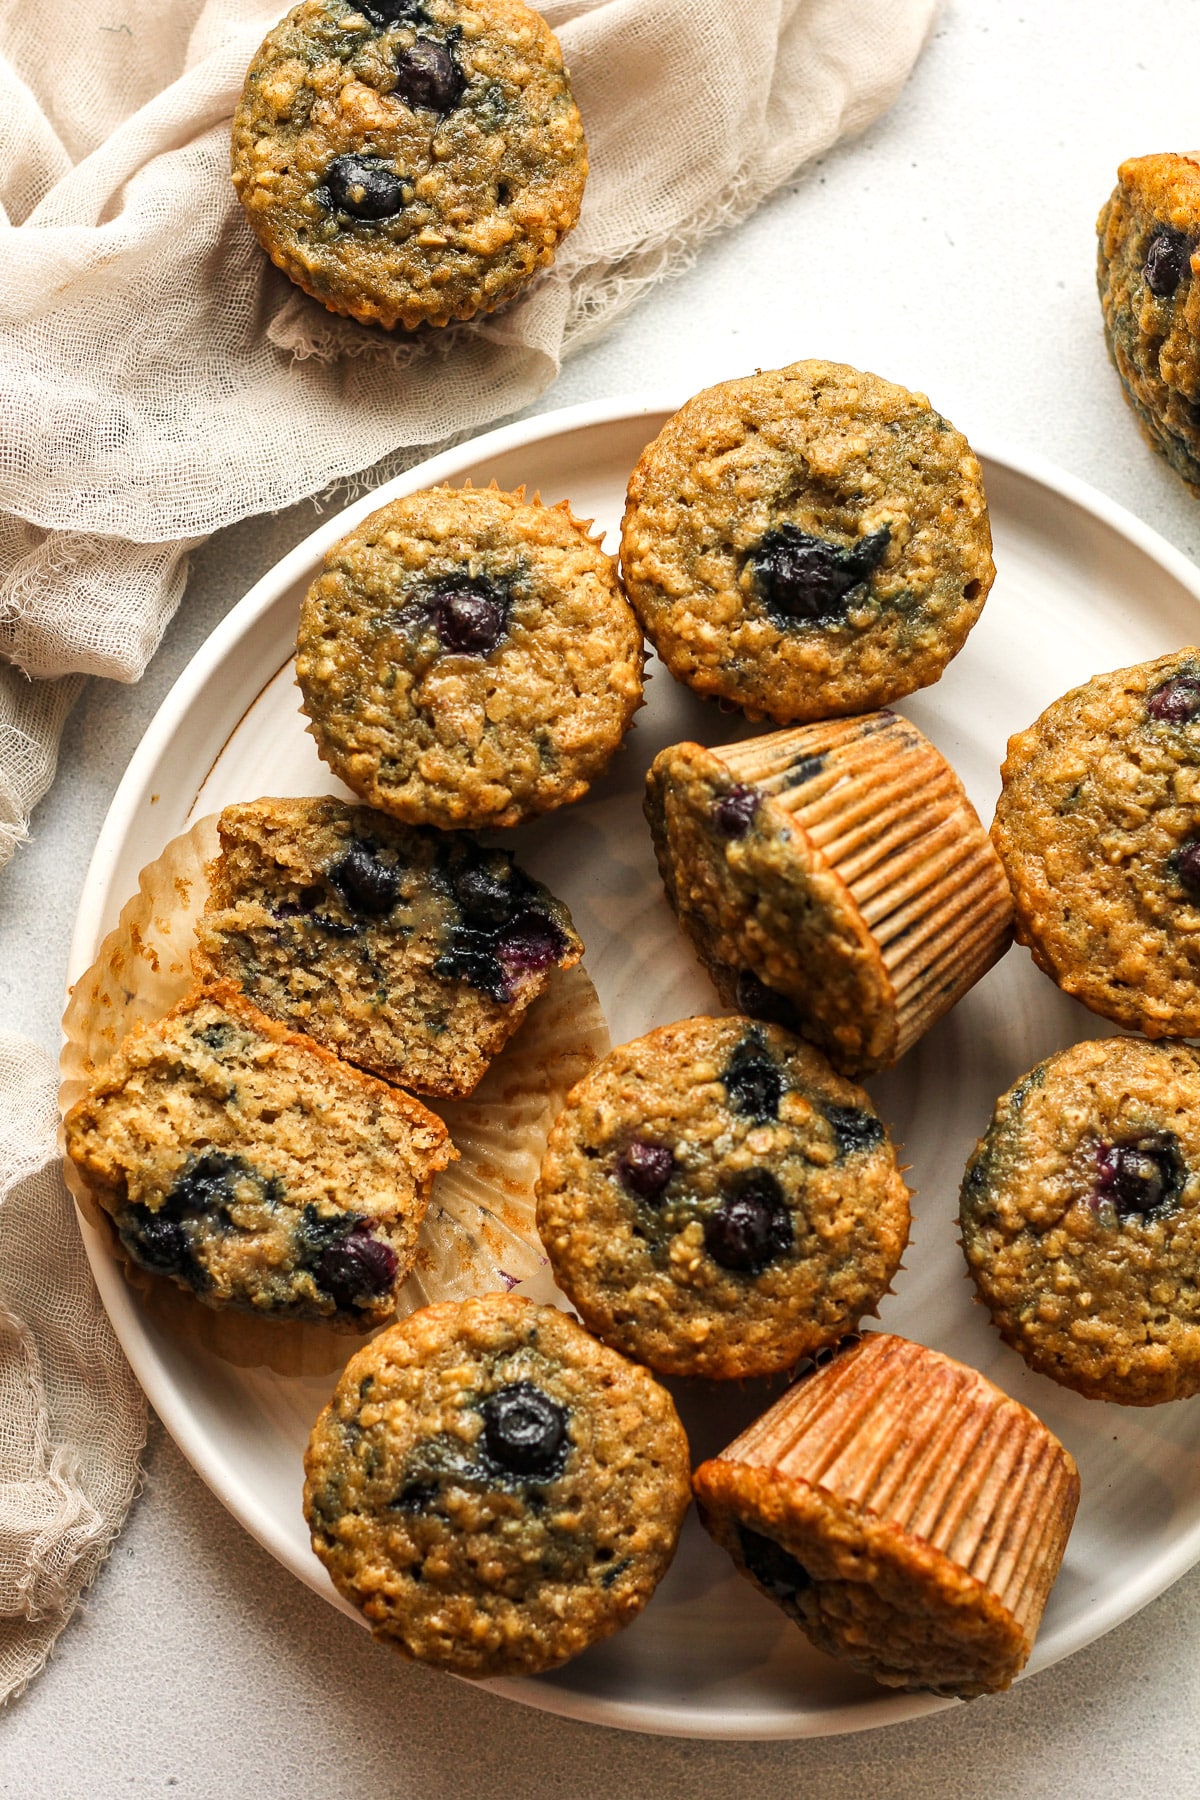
x,y
887,813
479,1231
933,1450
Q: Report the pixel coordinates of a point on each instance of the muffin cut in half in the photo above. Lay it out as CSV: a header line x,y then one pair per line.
x,y
715,1201
834,877
493,1489
413,953
253,1168
906,1514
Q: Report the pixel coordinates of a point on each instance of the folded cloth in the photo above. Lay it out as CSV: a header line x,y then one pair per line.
x,y
159,379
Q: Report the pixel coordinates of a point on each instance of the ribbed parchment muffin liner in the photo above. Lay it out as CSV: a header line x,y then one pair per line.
x,y
887,815
928,1509
479,1232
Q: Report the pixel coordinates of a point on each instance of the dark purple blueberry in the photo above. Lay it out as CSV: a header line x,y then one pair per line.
x,y
366,884
525,1431
753,1082
364,187
359,1267
427,76
645,1169
1142,1175
1166,260
1186,863
417,1496
750,1228
393,12
469,957
762,1002
774,1568
1177,701
206,1185
804,768
158,1243
468,622
733,814
802,579
530,944
486,895
854,1130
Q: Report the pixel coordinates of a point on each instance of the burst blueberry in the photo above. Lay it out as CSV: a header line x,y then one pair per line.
x,y
733,814
1177,701
393,12
525,1431
358,1267
530,944
854,1131
428,77
753,1082
803,579
363,187
366,883
1142,1176
751,1227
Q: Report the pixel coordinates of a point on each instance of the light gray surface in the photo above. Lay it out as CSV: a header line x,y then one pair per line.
x,y
951,249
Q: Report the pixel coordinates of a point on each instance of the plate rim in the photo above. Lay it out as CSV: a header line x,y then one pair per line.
x,y
657,1718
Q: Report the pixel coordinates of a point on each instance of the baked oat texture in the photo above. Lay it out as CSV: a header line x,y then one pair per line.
x,y
413,953
908,1516
834,877
715,1201
409,162
467,658
807,542
251,1167
1149,230
1097,827
493,1489
1080,1216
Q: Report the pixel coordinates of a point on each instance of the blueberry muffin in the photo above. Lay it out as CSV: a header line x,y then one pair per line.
x,y
1081,1219
1098,827
468,658
807,542
834,877
493,1489
414,954
409,162
254,1169
1149,232
715,1201
908,1516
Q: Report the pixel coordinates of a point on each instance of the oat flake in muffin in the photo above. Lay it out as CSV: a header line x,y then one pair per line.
x,y
1149,233
494,1489
409,161
1080,1217
1098,828
467,658
807,542
715,1201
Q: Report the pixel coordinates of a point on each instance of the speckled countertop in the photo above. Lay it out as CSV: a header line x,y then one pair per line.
x,y
950,249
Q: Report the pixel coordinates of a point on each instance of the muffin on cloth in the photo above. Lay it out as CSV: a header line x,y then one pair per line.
x,y
1098,827
1149,231
254,1169
808,542
906,1514
414,954
834,877
493,1489
409,161
715,1201
1080,1217
467,658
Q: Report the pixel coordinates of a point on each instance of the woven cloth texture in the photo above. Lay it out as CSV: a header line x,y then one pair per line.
x,y
160,379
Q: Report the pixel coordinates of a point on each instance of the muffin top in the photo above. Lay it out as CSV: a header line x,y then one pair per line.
x,y
808,542
716,1201
494,1489
1080,1219
247,1164
410,952
1098,829
467,658
1149,232
409,161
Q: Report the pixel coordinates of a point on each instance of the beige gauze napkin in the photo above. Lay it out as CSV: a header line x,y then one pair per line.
x,y
160,379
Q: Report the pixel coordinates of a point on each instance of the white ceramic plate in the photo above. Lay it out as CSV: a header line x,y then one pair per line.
x,y
1082,587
